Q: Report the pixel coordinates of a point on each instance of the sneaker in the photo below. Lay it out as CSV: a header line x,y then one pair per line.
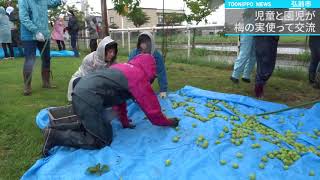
x,y
246,80
234,80
259,91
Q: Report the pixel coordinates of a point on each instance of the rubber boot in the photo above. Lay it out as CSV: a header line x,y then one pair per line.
x,y
27,77
259,90
311,78
316,84
69,138
45,73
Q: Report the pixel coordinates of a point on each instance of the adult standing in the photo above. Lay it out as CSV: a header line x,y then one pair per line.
x,y
266,54
5,33
73,29
35,34
246,60
314,68
93,32
14,24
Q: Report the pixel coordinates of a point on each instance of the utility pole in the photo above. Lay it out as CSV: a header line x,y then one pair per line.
x,y
105,26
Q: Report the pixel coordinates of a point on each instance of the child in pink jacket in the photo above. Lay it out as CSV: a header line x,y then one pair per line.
x,y
57,33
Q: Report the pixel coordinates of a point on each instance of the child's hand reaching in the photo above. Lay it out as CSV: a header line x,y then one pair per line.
x,y
175,122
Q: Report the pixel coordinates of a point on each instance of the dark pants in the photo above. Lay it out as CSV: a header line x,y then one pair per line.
x,y
266,54
9,46
74,38
93,121
314,44
61,45
93,44
30,54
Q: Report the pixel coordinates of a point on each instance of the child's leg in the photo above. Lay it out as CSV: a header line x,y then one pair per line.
x,y
4,46
11,50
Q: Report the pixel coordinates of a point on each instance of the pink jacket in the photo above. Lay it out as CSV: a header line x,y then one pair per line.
x,y
57,33
140,73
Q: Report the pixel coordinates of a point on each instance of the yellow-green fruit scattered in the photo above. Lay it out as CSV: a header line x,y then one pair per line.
x,y
221,135
176,139
168,162
261,165
223,162
194,125
225,129
285,167
217,142
264,159
205,144
235,166
265,117
252,177
239,155
201,138
271,155
177,128
311,173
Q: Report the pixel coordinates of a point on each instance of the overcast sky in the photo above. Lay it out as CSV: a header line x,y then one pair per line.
x,y
218,16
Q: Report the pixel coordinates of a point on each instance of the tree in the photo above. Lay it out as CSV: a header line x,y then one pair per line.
x,y
138,17
4,3
173,19
200,9
124,7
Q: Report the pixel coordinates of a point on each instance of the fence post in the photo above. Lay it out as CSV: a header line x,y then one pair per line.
x,y
189,42
122,32
154,33
128,41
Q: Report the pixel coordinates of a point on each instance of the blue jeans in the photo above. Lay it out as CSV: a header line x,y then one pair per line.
x,y
246,59
74,37
30,54
266,54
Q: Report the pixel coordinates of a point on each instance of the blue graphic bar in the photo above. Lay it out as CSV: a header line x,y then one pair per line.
x,y
241,4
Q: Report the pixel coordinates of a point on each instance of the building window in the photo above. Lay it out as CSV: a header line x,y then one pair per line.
x,y
111,20
160,19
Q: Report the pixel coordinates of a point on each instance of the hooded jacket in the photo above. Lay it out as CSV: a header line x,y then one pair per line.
x,y
57,33
5,30
33,16
112,87
91,63
161,70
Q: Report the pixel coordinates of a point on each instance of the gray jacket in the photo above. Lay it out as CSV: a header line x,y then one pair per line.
x,y
92,28
91,63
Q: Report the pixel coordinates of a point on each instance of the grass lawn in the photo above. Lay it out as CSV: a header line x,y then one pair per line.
x,y
21,139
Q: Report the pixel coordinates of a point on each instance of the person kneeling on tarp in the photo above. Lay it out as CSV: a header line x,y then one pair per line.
x,y
109,88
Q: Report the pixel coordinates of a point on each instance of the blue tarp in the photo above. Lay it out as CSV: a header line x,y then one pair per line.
x,y
141,153
19,53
